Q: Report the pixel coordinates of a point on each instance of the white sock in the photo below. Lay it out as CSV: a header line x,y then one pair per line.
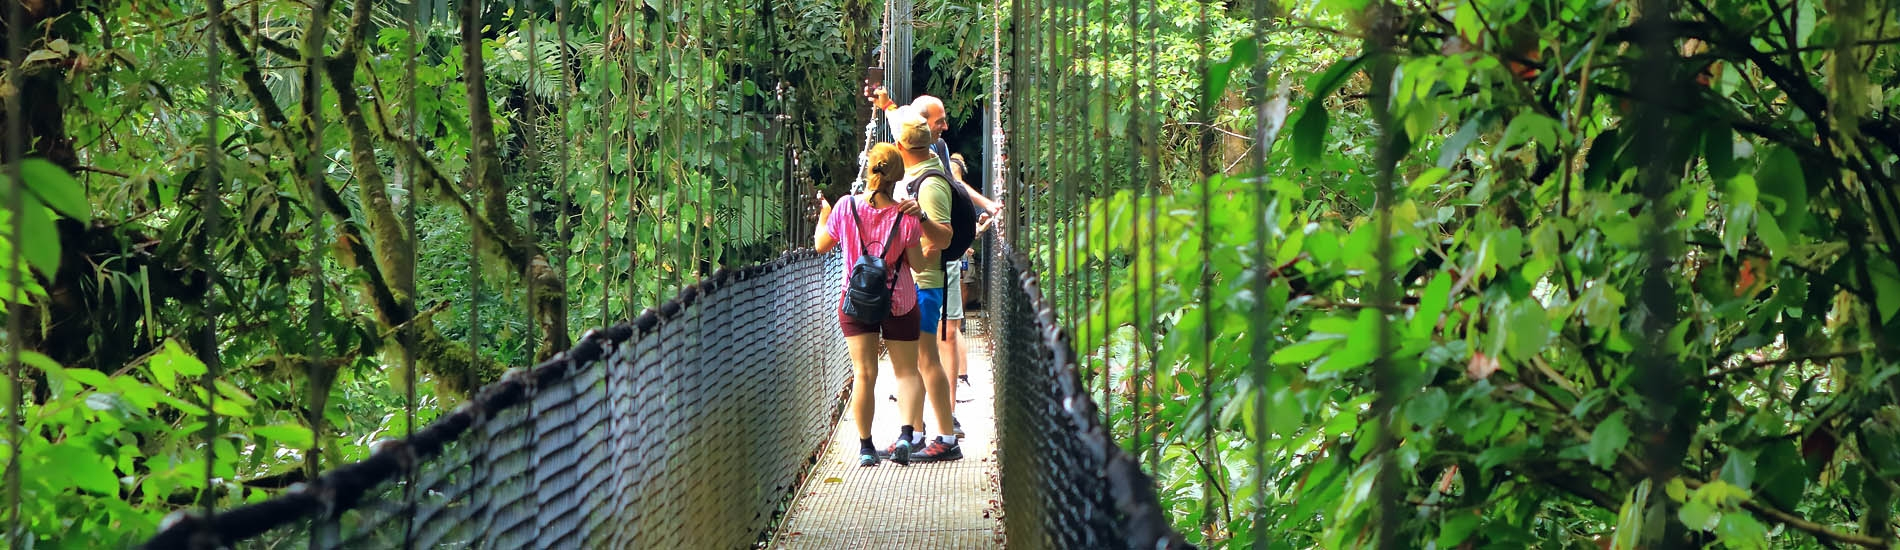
x,y
947,439
917,439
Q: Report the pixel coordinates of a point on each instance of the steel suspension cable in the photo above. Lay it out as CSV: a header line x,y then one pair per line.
x,y
1211,464
1154,183
1263,265
208,205
16,280
1385,378
409,280
635,176
1104,188
1138,188
534,114
564,226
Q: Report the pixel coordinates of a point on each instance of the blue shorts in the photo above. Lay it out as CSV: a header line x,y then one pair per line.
x,y
930,304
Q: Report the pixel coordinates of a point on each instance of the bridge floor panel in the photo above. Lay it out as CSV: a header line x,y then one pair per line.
x,y
950,505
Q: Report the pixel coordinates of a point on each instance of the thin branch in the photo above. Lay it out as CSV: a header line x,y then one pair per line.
x,y
98,170
1752,365
1791,520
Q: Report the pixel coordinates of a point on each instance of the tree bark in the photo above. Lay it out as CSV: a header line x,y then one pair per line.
x,y
549,289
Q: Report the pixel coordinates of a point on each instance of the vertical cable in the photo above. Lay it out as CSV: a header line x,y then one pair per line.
x,y
531,196
1138,187
323,531
1072,132
1660,382
563,225
635,206
209,206
409,285
16,206
1210,442
1153,184
1263,266
1103,188
703,174
1385,377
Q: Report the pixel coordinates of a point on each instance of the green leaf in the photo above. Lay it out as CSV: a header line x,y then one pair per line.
x,y
1610,436
1360,347
1886,289
1244,51
1431,304
90,377
1698,515
1783,189
1309,135
1718,147
1457,528
1530,329
295,436
1741,532
1306,350
1629,519
1428,408
68,465
57,189
41,254
1782,474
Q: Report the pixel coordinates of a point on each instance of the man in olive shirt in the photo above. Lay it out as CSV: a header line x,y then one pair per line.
x,y
914,138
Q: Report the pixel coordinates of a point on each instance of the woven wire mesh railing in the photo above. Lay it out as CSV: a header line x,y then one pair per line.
x,y
643,435
1065,481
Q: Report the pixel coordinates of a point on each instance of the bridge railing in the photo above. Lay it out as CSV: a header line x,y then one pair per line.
x,y
1066,483
665,432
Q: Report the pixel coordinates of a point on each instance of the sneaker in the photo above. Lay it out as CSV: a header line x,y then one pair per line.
x,y
956,427
867,458
964,380
900,452
938,451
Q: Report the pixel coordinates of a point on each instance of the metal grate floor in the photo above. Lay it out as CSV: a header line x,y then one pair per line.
x,y
952,505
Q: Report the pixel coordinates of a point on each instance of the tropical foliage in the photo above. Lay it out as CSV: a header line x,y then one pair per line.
x,y
1642,286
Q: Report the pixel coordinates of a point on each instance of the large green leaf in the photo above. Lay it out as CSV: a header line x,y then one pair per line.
x,y
57,189
68,465
1783,189
1243,54
1609,438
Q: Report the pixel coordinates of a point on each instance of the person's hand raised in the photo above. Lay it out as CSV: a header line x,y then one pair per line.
x,y
823,207
909,207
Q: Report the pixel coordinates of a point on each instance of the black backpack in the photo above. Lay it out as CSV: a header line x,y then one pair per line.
x,y
962,214
962,232
868,289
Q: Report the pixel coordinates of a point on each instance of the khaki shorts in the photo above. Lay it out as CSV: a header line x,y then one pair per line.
x,y
953,289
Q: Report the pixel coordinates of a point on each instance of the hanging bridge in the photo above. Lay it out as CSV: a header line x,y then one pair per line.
x,y
714,421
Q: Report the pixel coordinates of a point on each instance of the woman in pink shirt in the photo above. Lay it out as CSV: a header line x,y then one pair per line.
x,y
861,223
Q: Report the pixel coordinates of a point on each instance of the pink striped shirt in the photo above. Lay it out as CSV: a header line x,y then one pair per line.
x,y
876,227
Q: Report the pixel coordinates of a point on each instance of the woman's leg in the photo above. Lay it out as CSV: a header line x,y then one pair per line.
x,y
910,387
864,348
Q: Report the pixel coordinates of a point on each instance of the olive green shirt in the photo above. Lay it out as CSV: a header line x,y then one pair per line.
x,y
934,198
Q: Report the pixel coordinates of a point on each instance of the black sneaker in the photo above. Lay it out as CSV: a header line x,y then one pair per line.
x,y
938,451
956,427
900,452
867,457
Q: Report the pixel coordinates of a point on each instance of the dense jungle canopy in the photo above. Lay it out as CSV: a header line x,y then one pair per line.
x,y
1642,276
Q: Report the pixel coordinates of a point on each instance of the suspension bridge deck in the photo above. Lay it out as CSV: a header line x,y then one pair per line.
x,y
952,505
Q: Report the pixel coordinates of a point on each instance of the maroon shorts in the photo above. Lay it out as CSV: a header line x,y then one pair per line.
x,y
901,328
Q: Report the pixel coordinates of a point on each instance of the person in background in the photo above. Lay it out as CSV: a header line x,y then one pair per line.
x,y
860,224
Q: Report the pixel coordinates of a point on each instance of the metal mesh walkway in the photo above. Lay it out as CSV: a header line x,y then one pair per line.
x,y
690,426
949,506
